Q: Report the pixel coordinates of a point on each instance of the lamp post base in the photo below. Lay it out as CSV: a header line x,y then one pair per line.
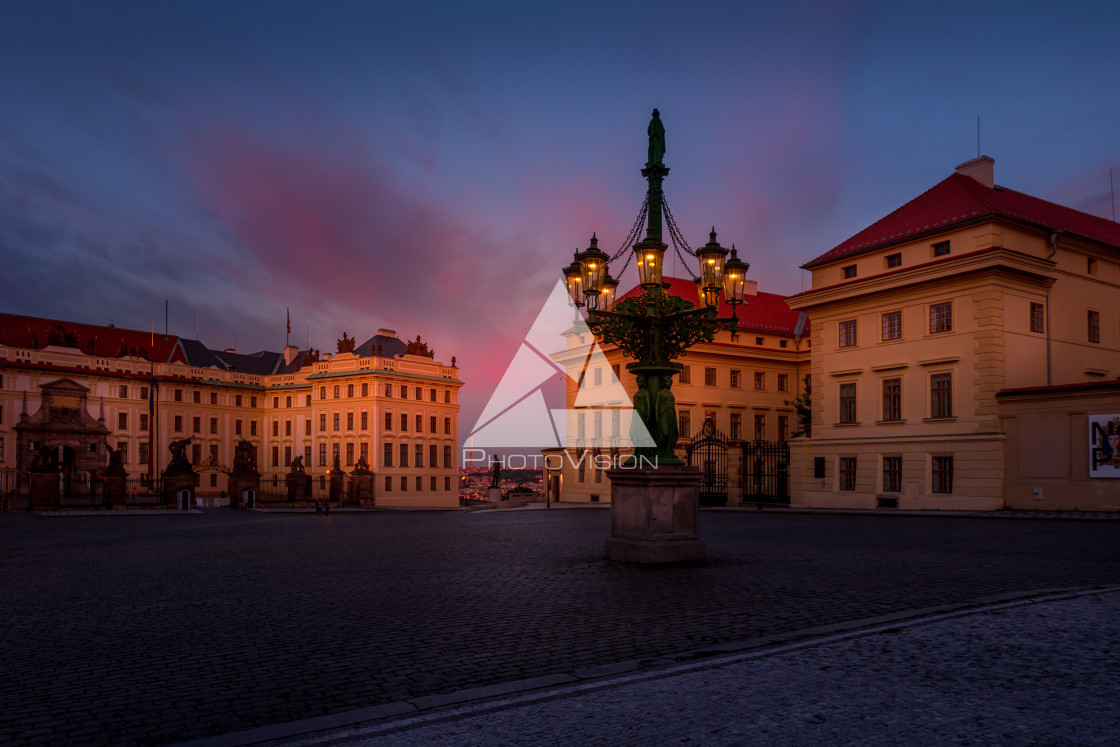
x,y
654,515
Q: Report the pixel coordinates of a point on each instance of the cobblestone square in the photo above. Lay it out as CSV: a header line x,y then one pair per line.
x,y
157,629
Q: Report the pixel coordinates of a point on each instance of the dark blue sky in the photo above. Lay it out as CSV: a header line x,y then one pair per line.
x,y
429,167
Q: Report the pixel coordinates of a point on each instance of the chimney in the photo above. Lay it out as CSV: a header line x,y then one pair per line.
x,y
981,169
387,332
290,353
750,288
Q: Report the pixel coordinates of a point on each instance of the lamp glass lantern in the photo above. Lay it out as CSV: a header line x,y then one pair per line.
x,y
609,293
593,266
734,279
711,257
573,273
650,256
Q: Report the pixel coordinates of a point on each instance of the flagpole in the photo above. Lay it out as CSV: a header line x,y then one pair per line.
x,y
152,430
287,336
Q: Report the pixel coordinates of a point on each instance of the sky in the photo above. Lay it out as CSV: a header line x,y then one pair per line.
x,y
430,167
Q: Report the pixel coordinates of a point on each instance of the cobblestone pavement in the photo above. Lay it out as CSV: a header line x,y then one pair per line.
x,y
157,629
1038,673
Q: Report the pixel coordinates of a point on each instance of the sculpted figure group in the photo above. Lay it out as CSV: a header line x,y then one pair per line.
x,y
655,409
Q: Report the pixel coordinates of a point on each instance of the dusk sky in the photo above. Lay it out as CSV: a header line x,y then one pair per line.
x,y
430,167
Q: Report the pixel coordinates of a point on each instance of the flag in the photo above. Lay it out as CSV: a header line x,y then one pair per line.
x,y
289,320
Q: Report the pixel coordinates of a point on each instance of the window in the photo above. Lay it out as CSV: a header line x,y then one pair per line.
x,y
447,396
419,394
783,343
847,473
143,455
307,430
598,378
349,421
143,392
404,483
337,391
287,455
349,455
275,403
307,400
418,454
941,317
365,389
388,390
941,395
122,421
337,419
783,382
213,425
736,379
849,272
322,422
1094,326
144,421
433,455
122,392
616,370
387,457
447,483
447,456
275,456
848,403
365,420
419,483
847,333
178,393
419,423
943,474
892,399
335,452
709,377
432,424
323,454
363,450
237,427
760,381
736,426
2,448
686,375
597,419
433,483
580,426
447,426
404,421
1091,266
237,400
213,398
275,428
684,424
432,395
892,474
322,392
941,248
307,454
1038,318
760,427
349,390
892,325
759,341
388,421
252,402
252,427
288,401
388,484
783,427
404,456
287,427
894,260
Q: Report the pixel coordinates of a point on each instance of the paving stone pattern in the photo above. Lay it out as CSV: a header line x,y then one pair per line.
x,y
1035,674
155,629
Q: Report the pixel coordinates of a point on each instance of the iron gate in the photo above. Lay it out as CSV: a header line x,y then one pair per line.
x,y
708,451
766,472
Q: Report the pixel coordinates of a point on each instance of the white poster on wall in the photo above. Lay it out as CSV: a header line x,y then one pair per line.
x,y
1104,446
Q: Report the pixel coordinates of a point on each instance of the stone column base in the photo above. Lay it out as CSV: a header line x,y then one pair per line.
x,y
495,495
176,483
654,515
361,488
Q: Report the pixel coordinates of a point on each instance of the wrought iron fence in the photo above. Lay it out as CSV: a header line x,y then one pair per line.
x,y
708,451
765,471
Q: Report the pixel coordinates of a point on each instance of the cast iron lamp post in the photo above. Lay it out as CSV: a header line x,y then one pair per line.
x,y
655,327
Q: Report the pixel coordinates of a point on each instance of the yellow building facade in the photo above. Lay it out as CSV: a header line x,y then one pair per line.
x,y
920,320
385,400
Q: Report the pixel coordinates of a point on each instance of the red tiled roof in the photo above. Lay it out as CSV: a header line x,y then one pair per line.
x,y
103,342
959,199
766,312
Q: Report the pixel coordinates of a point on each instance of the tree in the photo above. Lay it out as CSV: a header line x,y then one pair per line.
x,y
804,407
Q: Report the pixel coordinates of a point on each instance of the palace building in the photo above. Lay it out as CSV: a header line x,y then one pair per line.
x,y
79,388
742,383
965,349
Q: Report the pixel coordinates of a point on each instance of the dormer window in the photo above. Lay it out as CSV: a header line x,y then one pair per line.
x,y
849,271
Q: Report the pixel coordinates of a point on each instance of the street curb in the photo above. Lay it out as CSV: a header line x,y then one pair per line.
x,y
431,709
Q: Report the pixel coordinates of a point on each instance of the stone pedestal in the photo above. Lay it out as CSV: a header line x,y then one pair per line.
x,y
299,487
174,485
495,495
115,489
44,490
243,489
654,515
361,488
337,483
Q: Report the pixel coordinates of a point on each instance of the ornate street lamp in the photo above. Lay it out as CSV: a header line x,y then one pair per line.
x,y
655,327
734,281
